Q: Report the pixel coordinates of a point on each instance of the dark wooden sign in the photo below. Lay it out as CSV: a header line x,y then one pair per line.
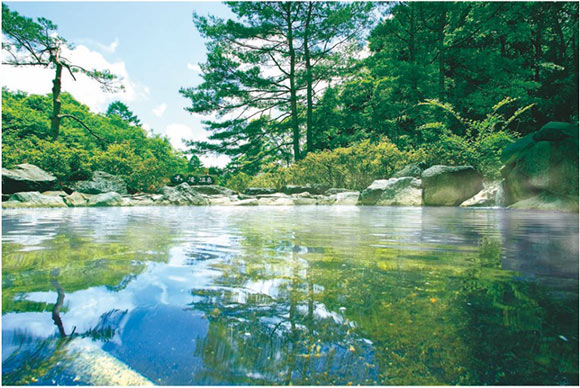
x,y
192,179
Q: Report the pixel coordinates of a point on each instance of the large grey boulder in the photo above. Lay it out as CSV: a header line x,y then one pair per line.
x,y
212,190
544,161
35,199
183,194
26,177
101,182
106,199
450,185
258,190
405,191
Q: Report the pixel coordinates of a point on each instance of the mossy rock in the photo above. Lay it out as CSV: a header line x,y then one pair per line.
x,y
450,185
544,161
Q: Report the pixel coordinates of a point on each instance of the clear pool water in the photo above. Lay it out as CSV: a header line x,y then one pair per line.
x,y
290,295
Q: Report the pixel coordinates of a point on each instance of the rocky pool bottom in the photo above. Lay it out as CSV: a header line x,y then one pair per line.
x,y
289,295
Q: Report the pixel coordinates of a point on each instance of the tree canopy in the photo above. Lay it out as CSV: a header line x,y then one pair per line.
x,y
263,69
287,71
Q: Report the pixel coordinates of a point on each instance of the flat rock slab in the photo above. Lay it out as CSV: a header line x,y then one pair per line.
x,y
35,199
26,177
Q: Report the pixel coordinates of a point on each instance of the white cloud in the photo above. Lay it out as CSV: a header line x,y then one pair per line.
x,y
112,47
194,67
160,110
105,48
38,80
176,132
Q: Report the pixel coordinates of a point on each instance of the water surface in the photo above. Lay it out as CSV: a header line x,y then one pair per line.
x,y
301,295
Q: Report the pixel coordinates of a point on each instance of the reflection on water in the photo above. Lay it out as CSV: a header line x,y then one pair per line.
x,y
301,295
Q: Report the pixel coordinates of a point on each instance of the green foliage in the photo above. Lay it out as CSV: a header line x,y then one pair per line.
x,y
122,110
237,181
144,162
350,167
482,144
260,114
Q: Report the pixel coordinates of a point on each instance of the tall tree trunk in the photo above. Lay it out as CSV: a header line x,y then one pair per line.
x,y
537,42
441,42
292,77
309,91
412,50
56,104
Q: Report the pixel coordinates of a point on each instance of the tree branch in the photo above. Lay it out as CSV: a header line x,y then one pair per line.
x,y
83,124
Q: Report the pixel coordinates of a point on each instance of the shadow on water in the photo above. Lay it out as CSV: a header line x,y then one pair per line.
x,y
310,295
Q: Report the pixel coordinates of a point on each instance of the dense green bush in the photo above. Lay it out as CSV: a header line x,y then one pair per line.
x,y
122,148
349,167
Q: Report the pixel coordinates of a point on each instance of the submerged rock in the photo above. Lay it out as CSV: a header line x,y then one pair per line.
x,y
450,185
544,161
101,182
183,194
94,366
405,191
26,177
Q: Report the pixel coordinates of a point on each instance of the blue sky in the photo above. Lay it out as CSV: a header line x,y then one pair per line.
x,y
153,45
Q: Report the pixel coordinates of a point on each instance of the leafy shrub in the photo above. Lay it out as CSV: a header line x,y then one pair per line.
x,y
349,167
482,144
145,162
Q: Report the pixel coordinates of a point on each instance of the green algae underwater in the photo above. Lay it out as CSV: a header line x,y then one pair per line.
x,y
290,295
